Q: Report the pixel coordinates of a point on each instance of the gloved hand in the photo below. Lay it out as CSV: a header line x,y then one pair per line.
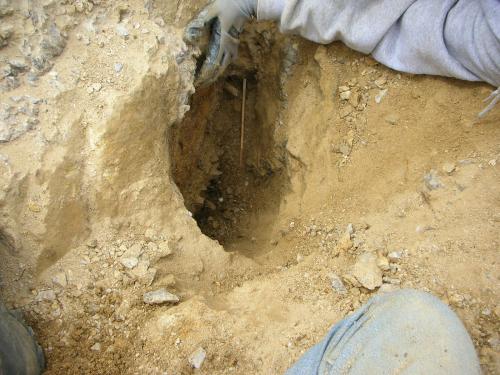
x,y
224,20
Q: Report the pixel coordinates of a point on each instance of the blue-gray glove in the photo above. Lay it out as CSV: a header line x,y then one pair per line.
x,y
223,20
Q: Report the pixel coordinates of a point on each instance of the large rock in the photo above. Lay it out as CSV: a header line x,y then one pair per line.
x,y
367,272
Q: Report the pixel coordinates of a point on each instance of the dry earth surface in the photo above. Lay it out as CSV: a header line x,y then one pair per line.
x,y
118,179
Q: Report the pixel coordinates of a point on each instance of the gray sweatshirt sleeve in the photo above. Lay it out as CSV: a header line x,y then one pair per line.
x,y
454,38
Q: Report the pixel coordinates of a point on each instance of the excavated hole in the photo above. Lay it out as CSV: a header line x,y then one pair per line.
x,y
232,203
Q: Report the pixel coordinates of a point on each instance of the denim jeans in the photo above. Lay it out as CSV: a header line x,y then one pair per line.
x,y
19,352
402,332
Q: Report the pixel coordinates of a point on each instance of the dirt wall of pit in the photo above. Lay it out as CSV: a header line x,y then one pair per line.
x,y
95,163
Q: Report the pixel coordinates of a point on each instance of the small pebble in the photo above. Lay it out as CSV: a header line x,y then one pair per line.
x,y
380,96
395,256
130,262
118,67
197,358
391,280
159,21
46,295
18,65
122,31
159,297
60,279
337,284
16,99
392,119
431,180
449,168
423,228
349,229
486,312
345,95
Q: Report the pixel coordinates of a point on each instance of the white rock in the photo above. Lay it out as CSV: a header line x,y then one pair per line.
x,y
380,96
46,295
96,347
118,67
391,280
60,280
349,229
159,21
366,271
164,249
395,256
129,262
121,30
337,284
197,357
432,181
449,168
423,228
345,95
16,98
486,312
160,296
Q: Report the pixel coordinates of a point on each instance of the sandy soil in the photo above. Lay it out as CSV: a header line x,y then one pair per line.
x,y
341,157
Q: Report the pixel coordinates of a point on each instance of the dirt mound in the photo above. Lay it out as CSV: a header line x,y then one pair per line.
x,y
118,179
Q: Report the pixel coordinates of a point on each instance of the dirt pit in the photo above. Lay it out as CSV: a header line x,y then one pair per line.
x,y
231,171
133,179
232,186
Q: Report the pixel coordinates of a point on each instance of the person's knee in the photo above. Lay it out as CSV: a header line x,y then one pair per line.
x,y
412,301
427,327
19,352
419,310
